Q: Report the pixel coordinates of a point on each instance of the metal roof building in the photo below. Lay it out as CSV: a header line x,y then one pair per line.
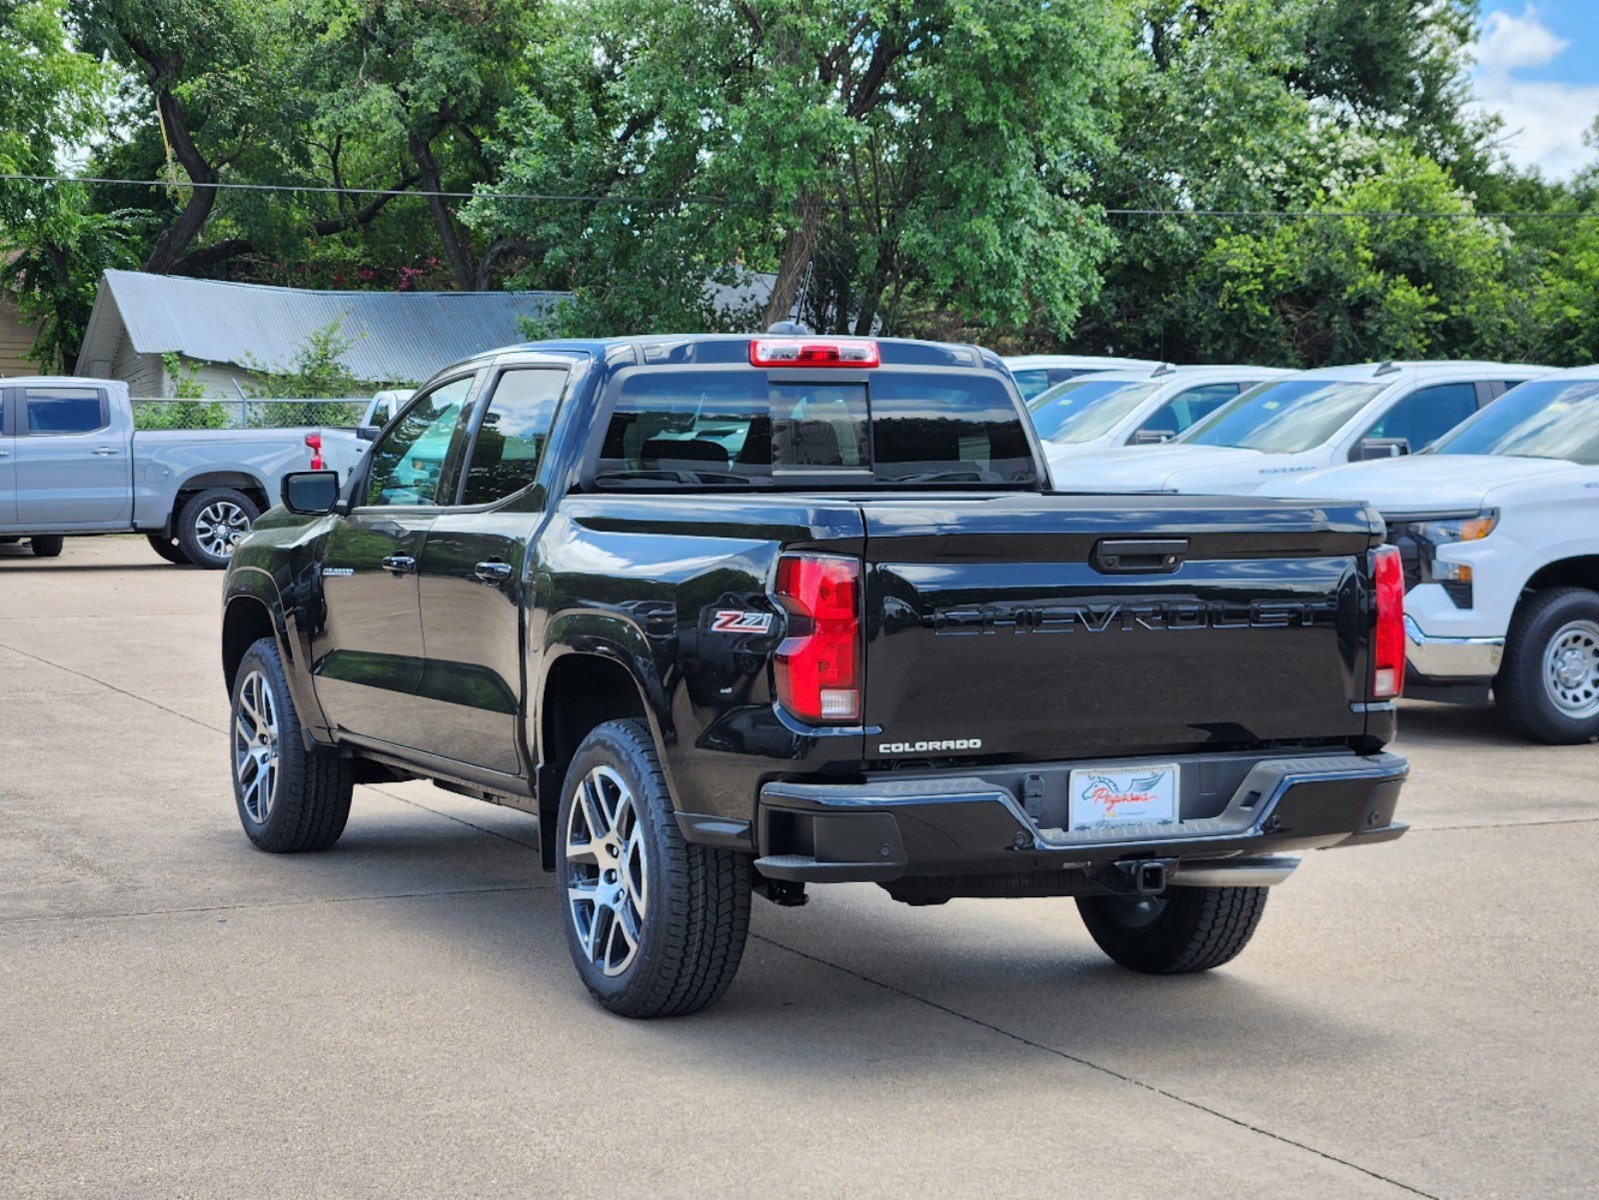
x,y
228,330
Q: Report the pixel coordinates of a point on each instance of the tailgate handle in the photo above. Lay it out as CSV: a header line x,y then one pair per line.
x,y
1139,556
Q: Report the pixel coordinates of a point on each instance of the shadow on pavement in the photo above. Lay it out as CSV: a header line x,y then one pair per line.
x,y
1479,725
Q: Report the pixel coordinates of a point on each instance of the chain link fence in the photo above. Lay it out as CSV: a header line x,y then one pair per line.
x,y
247,413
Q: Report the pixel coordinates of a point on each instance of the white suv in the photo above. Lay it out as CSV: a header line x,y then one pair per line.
x,y
1498,528
1304,422
1134,408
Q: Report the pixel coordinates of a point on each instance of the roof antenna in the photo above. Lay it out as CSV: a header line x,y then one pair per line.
x,y
1387,368
1165,368
799,328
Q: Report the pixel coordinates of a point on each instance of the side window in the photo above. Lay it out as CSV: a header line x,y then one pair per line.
x,y
510,442
414,453
1183,409
62,410
1426,415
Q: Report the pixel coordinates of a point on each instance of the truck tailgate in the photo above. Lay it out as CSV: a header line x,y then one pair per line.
x,y
1031,625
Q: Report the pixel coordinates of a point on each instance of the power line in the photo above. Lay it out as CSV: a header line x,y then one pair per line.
x,y
726,202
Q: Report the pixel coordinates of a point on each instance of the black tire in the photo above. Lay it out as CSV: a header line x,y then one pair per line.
x,y
168,548
696,899
309,800
1183,930
209,519
46,545
1524,692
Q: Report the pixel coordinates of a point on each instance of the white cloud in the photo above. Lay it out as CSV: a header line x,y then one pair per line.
x,y
1544,121
1509,42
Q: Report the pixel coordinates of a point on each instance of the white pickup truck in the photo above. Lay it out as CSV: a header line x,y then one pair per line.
x,y
1498,529
72,464
1303,422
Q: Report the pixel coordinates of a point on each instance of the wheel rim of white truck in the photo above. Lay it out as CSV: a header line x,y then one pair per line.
x,y
219,526
255,746
1571,668
608,871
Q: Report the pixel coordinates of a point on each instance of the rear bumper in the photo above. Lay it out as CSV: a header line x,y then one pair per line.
x,y
956,826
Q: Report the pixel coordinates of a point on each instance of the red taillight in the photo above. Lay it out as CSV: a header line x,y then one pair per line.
x,y
314,440
813,352
1388,646
818,666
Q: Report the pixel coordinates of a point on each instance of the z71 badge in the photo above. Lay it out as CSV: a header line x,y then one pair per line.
x,y
732,620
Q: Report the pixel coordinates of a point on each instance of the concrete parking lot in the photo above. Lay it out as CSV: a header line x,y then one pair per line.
x,y
183,1015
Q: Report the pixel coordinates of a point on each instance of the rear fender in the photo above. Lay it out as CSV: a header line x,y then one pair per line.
x,y
616,639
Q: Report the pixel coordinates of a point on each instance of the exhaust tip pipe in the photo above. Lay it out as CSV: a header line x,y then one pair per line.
x,y
1266,871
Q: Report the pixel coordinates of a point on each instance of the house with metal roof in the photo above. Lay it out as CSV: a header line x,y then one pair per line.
x,y
227,333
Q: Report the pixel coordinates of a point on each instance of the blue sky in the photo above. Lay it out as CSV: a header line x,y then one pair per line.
x,y
1538,67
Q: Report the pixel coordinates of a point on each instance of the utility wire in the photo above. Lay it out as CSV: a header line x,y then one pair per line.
x,y
725,202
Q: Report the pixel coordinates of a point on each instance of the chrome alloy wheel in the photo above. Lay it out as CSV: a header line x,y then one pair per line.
x,y
220,526
255,747
1571,669
607,870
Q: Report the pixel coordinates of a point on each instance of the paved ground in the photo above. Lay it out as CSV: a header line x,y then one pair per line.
x,y
182,1015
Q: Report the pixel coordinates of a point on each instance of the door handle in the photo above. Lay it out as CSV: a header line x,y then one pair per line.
x,y
400,564
104,451
493,571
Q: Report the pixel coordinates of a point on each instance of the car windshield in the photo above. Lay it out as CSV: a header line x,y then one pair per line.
x,y
1286,417
1081,410
721,428
1547,419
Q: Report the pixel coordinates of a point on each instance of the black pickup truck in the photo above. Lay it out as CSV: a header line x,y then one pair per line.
x,y
742,614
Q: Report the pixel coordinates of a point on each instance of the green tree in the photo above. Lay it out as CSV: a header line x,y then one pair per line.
x,y
54,99
1269,105
915,150
1336,288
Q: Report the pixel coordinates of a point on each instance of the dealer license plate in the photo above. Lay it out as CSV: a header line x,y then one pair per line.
x,y
1107,798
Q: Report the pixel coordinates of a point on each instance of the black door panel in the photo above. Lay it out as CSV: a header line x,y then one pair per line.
x,y
471,591
368,660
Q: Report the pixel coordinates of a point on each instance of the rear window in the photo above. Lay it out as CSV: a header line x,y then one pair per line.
x,y
698,428
64,410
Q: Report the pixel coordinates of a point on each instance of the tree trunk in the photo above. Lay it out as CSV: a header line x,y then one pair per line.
x,y
180,235
457,251
796,257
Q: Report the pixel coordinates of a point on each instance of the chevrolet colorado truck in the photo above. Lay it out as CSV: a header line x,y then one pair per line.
x,y
71,464
742,614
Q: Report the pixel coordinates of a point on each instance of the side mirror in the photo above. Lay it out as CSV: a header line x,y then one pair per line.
x,y
1381,447
368,433
311,493
1152,437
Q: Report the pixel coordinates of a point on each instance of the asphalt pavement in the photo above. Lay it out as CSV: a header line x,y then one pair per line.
x,y
182,1015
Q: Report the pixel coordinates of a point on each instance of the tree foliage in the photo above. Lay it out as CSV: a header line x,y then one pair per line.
x,y
949,168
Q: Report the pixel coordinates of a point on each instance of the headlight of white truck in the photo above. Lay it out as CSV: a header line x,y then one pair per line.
x,y
1420,538
1444,531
